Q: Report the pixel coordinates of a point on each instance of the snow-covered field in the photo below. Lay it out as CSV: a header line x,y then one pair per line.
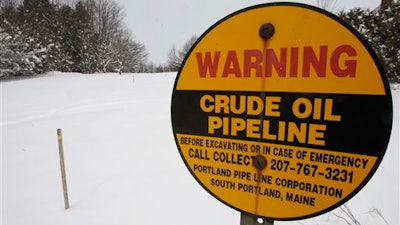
x,y
122,163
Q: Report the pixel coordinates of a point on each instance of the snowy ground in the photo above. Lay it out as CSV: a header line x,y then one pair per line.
x,y
123,166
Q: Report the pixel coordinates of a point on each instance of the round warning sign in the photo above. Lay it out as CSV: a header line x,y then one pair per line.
x,y
282,111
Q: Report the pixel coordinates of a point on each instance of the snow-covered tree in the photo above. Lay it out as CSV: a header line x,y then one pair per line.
x,y
36,21
381,30
49,35
16,58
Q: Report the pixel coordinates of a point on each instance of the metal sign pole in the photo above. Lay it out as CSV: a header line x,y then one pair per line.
x,y
248,219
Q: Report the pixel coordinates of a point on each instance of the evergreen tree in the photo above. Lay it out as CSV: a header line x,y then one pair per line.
x,y
66,39
85,41
16,59
381,30
36,21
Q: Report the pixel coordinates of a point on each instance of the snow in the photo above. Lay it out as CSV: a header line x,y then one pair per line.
x,y
123,166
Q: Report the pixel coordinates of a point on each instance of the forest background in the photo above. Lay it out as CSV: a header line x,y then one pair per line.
x,y
89,36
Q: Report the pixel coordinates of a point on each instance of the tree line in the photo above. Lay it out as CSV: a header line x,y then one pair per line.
x,y
37,36
89,36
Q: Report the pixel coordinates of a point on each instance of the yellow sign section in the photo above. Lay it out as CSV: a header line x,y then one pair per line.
x,y
309,52
298,180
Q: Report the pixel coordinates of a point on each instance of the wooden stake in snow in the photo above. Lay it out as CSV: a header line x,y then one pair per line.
x,y
62,165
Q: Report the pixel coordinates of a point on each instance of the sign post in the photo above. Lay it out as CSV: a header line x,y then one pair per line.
x,y
62,167
248,219
281,111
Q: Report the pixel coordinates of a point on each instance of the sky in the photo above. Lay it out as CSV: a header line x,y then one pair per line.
x,y
162,24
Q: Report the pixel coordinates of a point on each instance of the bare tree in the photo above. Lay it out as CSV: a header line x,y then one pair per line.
x,y
115,50
106,17
328,5
175,57
187,46
8,4
174,62
130,55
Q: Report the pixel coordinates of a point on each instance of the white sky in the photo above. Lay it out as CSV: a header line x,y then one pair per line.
x,y
161,24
